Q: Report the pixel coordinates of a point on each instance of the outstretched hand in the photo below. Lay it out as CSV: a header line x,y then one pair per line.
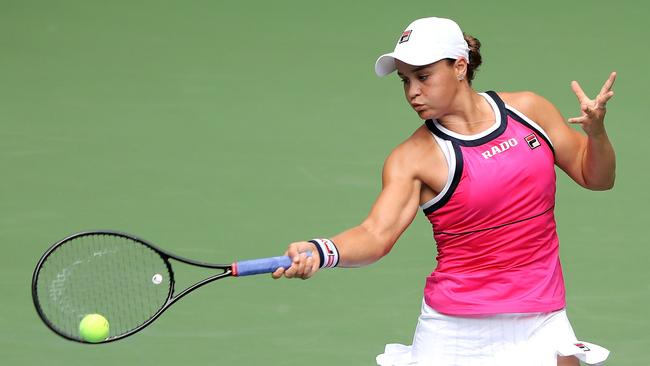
x,y
593,110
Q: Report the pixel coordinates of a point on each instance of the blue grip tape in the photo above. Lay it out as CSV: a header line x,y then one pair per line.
x,y
263,265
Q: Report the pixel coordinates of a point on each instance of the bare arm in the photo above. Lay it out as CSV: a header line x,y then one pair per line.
x,y
599,161
587,158
391,214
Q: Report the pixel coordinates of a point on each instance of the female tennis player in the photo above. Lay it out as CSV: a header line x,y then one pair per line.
x,y
481,167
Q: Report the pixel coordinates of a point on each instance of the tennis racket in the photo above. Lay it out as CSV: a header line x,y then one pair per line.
x,y
126,279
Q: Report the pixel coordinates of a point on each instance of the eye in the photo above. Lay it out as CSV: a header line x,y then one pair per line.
x,y
423,77
404,80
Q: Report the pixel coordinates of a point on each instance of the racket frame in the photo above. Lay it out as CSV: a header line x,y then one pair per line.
x,y
164,255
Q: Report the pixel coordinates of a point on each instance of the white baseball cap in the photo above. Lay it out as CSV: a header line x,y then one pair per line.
x,y
424,42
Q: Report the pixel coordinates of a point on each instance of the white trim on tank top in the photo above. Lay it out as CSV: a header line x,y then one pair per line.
x,y
448,150
497,123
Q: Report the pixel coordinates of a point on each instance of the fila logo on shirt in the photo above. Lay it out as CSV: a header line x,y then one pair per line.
x,y
500,148
532,141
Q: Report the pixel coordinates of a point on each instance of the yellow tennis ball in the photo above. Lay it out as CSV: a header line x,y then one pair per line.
x,y
93,328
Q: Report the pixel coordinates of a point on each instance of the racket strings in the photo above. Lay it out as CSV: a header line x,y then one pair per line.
x,y
116,277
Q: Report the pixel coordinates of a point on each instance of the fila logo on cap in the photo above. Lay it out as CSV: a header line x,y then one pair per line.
x,y
583,347
405,36
532,141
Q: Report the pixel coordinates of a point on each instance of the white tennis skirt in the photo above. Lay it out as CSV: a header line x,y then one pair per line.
x,y
531,339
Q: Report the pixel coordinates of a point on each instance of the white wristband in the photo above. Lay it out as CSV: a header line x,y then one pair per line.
x,y
329,254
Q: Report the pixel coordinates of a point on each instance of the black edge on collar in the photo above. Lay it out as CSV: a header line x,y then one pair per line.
x,y
483,140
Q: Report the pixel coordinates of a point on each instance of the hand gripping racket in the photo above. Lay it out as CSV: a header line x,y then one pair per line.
x,y
126,279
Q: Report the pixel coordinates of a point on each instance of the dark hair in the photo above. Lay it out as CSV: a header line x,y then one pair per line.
x,y
474,57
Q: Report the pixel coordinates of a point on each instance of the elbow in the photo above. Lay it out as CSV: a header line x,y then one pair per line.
x,y
609,184
382,246
382,241
601,186
386,248
607,187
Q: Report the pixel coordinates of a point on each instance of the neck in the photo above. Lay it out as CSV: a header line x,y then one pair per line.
x,y
469,114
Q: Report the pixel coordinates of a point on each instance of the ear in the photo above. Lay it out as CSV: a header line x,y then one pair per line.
x,y
460,67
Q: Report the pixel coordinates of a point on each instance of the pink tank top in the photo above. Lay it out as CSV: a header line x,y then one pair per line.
x,y
498,250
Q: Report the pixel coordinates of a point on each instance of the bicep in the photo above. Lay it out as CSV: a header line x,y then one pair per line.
x,y
569,152
397,204
569,144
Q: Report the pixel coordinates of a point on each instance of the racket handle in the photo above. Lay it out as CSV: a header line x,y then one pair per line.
x,y
261,265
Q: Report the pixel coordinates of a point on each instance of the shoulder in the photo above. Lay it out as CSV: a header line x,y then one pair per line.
x,y
531,104
566,141
413,154
535,107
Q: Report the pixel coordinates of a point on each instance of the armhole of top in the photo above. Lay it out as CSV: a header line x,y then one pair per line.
x,y
448,150
532,124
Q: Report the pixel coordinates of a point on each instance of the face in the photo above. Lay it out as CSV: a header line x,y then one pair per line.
x,y
430,89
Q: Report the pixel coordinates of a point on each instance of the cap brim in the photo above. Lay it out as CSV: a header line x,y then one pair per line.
x,y
386,63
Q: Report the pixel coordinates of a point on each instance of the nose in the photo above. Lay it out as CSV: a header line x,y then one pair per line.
x,y
412,90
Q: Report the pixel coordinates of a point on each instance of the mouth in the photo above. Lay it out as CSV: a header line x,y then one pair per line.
x,y
418,107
